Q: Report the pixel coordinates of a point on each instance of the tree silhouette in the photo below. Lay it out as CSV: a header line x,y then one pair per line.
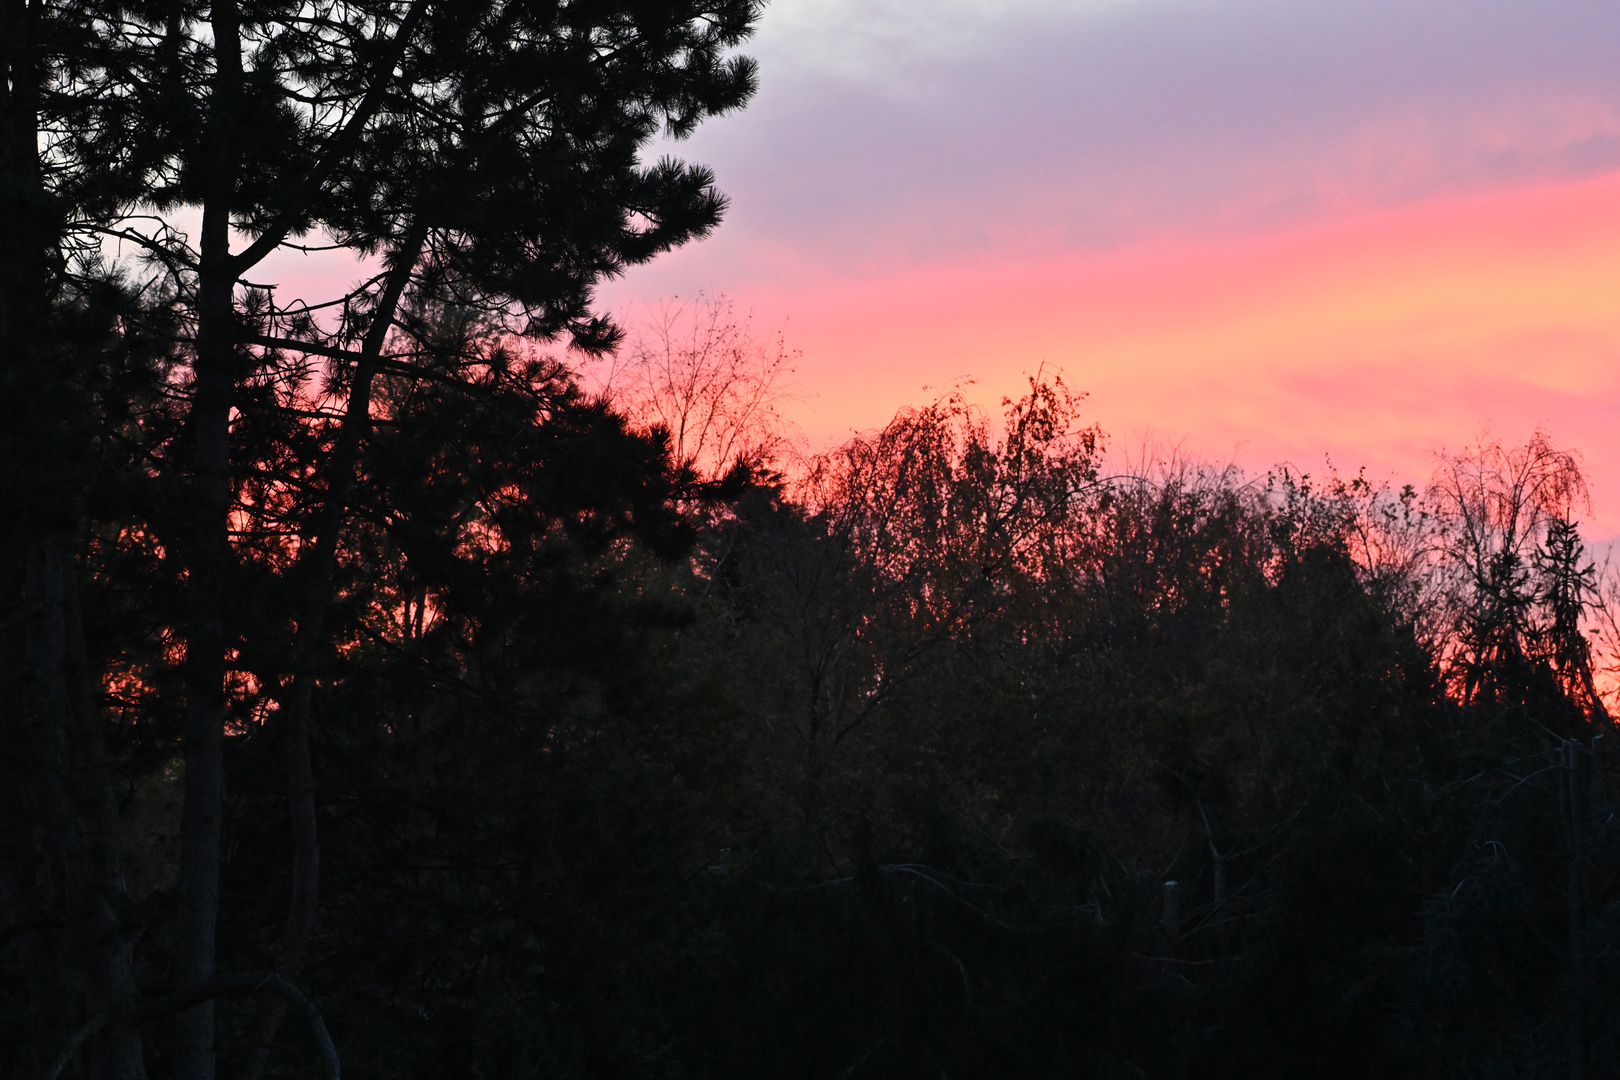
x,y
491,151
640,748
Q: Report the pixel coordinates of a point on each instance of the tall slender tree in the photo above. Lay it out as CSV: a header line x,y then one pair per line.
x,y
66,799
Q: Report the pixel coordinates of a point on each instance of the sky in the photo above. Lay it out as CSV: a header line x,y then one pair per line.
x,y
1261,231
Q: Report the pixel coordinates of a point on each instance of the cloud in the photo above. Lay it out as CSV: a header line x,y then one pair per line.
x,y
879,44
902,131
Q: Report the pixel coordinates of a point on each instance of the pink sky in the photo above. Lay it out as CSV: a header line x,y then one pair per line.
x,y
1366,230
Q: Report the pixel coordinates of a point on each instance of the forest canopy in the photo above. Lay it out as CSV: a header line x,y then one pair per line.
x,y
438,679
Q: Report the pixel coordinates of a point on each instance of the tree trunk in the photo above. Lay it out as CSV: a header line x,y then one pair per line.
x,y
208,561
44,457
207,568
1569,805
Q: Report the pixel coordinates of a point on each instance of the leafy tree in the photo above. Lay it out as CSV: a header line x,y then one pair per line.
x,y
694,370
1496,507
1180,677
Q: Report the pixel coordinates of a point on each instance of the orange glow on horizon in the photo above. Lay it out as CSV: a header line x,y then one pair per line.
x,y
1377,340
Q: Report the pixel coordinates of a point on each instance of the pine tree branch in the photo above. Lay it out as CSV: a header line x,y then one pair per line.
x,y
340,146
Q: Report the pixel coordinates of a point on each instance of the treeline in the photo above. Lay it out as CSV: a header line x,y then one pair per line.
x,y
1036,770
948,752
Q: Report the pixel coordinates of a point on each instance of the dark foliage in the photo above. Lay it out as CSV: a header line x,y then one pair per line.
x,y
538,751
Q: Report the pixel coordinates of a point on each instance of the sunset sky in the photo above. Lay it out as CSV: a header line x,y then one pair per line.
x,y
1263,230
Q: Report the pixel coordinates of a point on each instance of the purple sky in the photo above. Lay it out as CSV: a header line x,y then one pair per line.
x,y
890,130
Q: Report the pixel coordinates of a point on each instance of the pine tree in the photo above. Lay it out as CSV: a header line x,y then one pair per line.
x,y
491,152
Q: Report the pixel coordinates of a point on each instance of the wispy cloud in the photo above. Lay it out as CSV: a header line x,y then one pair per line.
x,y
881,45
914,130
